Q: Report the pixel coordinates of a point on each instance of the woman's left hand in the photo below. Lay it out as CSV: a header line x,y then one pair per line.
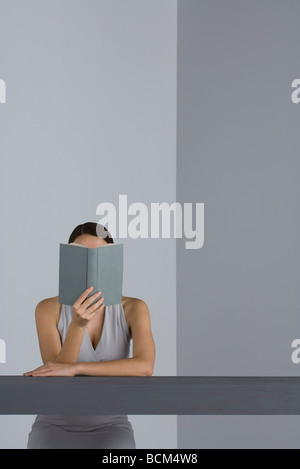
x,y
53,369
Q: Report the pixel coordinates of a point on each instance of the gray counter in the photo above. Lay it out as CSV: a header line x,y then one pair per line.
x,y
178,395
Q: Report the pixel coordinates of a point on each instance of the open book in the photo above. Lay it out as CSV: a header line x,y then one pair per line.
x,y
81,267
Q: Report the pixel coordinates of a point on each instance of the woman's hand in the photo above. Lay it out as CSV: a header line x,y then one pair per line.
x,y
83,313
53,369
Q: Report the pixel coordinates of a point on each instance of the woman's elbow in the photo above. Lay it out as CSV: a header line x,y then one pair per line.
x,y
147,369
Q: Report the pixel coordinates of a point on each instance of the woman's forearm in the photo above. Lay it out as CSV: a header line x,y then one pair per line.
x,y
71,347
123,367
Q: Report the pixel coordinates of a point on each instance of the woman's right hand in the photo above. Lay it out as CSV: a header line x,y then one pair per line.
x,y
83,313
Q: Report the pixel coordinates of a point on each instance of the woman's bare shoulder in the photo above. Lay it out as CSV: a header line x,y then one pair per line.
x,y
49,307
137,314
134,305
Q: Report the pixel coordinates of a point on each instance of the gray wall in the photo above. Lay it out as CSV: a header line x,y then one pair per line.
x,y
90,114
238,296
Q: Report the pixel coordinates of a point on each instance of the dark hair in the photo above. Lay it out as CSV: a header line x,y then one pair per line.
x,y
92,229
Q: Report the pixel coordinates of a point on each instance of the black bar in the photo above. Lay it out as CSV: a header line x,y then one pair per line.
x,y
168,395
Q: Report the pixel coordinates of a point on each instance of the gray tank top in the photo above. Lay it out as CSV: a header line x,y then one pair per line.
x,y
114,344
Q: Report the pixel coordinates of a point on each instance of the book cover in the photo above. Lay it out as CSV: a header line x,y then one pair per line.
x,y
81,267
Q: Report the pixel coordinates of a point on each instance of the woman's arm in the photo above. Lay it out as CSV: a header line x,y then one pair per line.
x,y
143,351
47,316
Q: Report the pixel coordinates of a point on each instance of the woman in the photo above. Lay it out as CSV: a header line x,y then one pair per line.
x,y
95,341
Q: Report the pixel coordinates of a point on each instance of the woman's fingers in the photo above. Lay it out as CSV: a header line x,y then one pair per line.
x,y
91,299
35,370
95,307
84,310
53,369
84,300
82,297
40,370
87,301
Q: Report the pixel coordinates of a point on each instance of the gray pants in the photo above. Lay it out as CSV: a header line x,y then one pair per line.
x,y
52,437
